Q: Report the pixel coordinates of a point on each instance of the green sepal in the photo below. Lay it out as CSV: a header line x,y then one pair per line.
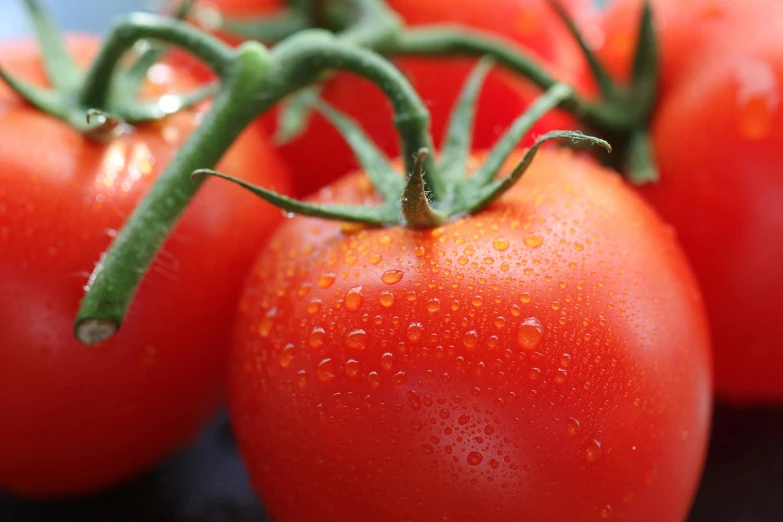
x,y
376,166
459,133
294,115
497,157
416,209
62,71
496,189
378,215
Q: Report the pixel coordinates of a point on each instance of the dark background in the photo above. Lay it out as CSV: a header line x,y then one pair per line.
x,y
743,480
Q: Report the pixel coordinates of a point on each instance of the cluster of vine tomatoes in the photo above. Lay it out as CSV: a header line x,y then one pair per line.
x,y
552,355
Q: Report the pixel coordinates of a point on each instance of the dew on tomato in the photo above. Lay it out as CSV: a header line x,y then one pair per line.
x,y
515,404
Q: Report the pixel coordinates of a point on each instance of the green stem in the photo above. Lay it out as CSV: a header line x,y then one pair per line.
x,y
115,280
375,25
302,58
456,42
142,26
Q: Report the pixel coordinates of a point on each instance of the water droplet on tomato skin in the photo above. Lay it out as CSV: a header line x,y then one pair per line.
x,y
427,449
593,450
572,427
387,299
500,244
374,379
470,340
352,368
414,399
287,356
391,277
475,458
530,333
534,240
606,512
415,332
313,306
387,361
356,339
354,299
267,322
399,378
317,337
326,280
325,370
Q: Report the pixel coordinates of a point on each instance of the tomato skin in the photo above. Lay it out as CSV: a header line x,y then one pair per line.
x,y
73,418
320,155
379,374
721,182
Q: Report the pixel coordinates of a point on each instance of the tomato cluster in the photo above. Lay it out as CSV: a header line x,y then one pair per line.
x,y
552,354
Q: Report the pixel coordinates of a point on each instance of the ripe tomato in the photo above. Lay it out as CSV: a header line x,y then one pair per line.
x,y
547,356
320,155
720,183
74,418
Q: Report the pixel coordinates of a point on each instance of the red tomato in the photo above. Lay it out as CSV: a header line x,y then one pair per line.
x,y
548,356
321,155
74,418
721,185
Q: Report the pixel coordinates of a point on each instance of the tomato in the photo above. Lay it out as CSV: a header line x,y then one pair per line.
x,y
320,155
721,182
548,356
75,418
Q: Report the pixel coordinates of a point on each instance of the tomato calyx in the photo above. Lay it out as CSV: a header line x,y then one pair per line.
x,y
120,104
433,191
637,99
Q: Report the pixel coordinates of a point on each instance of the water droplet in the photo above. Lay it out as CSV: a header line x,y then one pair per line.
x,y
287,356
565,360
534,240
593,450
374,379
494,464
530,333
391,277
325,370
415,332
525,298
326,280
534,374
352,368
500,243
387,299
477,301
353,299
500,321
419,251
463,419
606,512
433,305
572,427
561,375
301,378
317,337
267,322
399,378
314,305
356,340
387,361
475,458
444,413
375,259
414,399
470,340
489,429
427,449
